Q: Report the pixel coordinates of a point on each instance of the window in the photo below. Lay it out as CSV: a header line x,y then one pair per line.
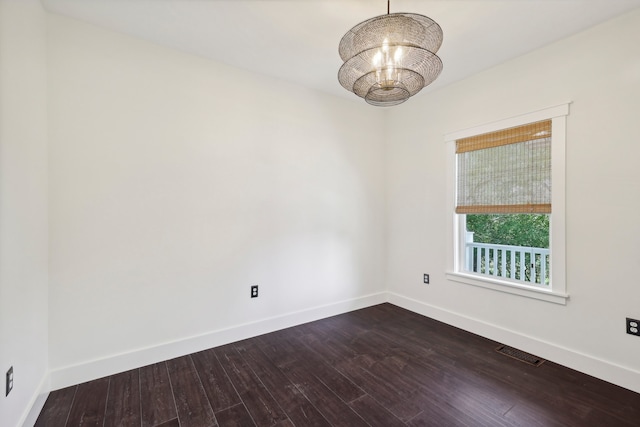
x,y
507,200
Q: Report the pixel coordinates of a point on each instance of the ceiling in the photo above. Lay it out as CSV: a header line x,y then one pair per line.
x,y
297,40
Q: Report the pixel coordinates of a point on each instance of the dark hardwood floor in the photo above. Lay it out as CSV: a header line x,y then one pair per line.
x,y
380,366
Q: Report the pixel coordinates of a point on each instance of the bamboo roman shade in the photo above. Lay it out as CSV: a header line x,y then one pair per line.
x,y
507,171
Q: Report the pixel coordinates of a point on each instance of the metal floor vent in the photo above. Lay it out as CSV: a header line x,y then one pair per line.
x,y
520,355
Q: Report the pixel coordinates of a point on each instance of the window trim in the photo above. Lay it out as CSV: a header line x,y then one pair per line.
x,y
557,233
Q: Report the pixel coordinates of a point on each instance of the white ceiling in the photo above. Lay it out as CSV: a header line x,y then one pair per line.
x,y
297,40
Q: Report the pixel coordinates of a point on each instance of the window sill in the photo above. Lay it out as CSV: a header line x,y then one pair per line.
x,y
509,287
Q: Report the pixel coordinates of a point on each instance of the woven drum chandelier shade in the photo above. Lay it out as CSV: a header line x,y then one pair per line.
x,y
391,57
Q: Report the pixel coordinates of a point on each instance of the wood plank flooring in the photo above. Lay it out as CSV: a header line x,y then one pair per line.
x,y
380,366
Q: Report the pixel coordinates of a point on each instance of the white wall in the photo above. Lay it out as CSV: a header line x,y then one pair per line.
x,y
23,206
177,182
599,71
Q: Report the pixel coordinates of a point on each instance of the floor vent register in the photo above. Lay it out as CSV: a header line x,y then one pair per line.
x,y
520,355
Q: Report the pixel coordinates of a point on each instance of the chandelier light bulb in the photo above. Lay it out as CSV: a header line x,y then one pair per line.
x,y
398,55
377,59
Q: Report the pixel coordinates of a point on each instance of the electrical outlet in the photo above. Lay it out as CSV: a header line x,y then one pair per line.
x,y
254,291
633,327
9,383
426,279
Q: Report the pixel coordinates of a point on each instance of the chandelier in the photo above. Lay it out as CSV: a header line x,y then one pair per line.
x,y
391,57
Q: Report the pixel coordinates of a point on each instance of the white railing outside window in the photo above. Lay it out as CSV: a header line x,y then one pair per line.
x,y
524,264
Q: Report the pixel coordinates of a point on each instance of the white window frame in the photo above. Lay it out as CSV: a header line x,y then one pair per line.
x,y
557,226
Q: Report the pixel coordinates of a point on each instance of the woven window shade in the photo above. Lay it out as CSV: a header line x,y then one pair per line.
x,y
507,171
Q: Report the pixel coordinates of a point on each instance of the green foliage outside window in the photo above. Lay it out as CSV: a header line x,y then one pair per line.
x,y
530,230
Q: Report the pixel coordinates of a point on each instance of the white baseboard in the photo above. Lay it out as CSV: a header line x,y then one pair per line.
x,y
589,365
36,403
76,374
